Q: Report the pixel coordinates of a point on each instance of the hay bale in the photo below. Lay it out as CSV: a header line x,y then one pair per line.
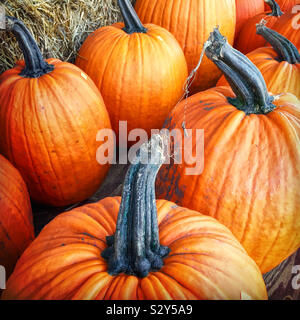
x,y
59,26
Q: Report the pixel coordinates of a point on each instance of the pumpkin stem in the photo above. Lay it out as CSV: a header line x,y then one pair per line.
x,y
276,11
285,49
245,79
132,22
35,65
135,248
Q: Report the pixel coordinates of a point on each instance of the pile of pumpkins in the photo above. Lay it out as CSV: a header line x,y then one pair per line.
x,y
209,236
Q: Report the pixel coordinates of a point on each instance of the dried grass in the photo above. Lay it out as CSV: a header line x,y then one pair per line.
x,y
59,26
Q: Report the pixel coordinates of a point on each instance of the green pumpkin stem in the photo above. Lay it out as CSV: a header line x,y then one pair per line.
x,y
35,65
132,22
245,79
285,49
135,248
276,11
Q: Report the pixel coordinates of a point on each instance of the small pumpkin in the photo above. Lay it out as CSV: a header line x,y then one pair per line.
x,y
279,65
247,9
191,21
16,223
50,113
135,248
247,39
140,70
288,26
251,176
285,5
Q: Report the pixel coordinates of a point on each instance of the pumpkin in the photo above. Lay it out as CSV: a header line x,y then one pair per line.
x,y
246,9
16,224
135,248
247,39
288,26
50,113
279,65
191,21
251,176
285,5
140,71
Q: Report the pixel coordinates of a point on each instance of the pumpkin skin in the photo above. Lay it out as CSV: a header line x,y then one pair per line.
x,y
285,5
250,182
48,129
140,75
204,260
191,21
285,26
16,224
281,75
246,9
247,39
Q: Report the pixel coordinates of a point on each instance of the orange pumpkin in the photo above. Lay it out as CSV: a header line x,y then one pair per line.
x,y
16,224
288,26
285,5
140,70
251,176
246,9
247,39
159,250
190,21
279,65
50,113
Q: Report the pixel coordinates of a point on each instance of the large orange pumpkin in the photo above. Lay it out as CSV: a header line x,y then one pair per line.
x,y
288,25
140,70
251,176
285,5
50,113
16,224
247,39
279,65
190,21
158,251
246,9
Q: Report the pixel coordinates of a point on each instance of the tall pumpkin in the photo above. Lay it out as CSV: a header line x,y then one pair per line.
x,y
50,113
247,39
16,224
140,70
246,9
251,176
279,65
190,21
158,250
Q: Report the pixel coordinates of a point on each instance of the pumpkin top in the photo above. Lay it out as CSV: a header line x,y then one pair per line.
x,y
132,22
245,79
35,65
276,11
135,248
285,49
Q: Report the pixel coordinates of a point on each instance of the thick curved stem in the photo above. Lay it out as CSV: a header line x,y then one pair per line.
x,y
35,65
284,48
245,79
132,22
135,248
276,11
